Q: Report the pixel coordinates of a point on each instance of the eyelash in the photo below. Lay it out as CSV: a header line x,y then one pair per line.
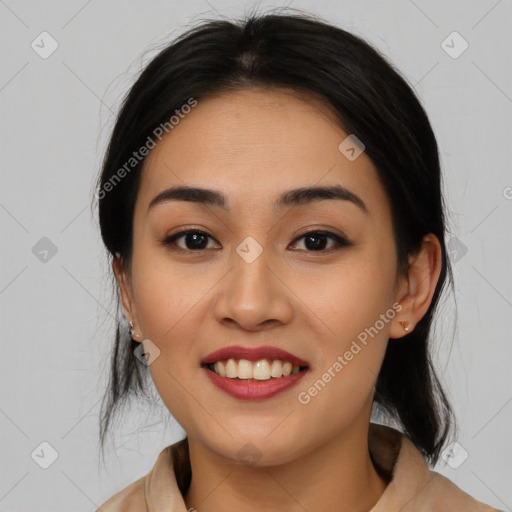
x,y
339,240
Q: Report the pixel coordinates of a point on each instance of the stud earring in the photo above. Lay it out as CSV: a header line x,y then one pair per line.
x,y
132,329
406,326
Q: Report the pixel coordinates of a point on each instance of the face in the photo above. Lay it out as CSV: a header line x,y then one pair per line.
x,y
315,278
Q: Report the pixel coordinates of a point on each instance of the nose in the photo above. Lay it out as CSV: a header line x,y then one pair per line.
x,y
254,295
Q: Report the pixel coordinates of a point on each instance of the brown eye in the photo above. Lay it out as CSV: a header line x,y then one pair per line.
x,y
194,240
316,241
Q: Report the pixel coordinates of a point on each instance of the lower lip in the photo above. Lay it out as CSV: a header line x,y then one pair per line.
x,y
254,389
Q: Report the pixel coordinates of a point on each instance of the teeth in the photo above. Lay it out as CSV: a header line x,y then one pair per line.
x,y
220,368
287,369
231,369
245,370
259,370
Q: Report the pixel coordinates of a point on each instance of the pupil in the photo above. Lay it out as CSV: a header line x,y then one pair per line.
x,y
320,242
195,237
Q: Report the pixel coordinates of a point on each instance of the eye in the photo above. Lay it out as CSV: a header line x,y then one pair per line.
x,y
316,241
194,240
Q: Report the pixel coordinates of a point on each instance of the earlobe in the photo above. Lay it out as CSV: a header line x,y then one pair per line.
x,y
406,326
422,278
400,328
126,296
135,335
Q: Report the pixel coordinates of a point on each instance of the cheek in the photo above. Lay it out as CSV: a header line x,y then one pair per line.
x,y
166,295
342,385
354,306
170,309
350,296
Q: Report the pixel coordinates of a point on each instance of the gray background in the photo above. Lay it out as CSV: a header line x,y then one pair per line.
x,y
57,325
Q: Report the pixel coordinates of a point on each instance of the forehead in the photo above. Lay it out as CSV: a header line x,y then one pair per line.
x,y
254,144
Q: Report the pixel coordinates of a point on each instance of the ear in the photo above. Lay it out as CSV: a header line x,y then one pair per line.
x,y
126,295
415,291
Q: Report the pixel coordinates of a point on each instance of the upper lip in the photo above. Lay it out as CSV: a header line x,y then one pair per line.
x,y
253,354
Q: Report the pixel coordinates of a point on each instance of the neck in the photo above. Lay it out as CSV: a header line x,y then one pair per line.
x,y
336,476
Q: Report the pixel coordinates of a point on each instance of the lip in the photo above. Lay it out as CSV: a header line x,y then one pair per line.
x,y
253,354
253,389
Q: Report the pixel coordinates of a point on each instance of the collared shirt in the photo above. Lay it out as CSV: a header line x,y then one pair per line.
x,y
412,486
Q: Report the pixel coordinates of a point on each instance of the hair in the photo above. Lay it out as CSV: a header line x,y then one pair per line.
x,y
369,98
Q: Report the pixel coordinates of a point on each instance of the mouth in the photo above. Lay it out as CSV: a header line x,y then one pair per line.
x,y
262,369
263,363
260,386
254,373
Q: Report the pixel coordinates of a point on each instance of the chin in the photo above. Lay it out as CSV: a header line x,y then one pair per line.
x,y
259,449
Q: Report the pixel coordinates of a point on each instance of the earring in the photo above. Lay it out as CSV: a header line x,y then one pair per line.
x,y
406,326
132,329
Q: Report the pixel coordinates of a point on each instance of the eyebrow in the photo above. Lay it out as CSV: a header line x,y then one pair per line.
x,y
295,197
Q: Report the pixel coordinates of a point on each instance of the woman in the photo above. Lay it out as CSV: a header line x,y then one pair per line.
x,y
271,200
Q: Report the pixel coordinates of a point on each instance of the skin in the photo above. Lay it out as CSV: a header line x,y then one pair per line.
x,y
252,145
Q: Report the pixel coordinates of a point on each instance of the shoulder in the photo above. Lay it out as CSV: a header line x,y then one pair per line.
x,y
130,499
413,486
429,491
441,494
154,491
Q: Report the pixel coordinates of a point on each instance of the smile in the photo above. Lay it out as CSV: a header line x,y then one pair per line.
x,y
257,370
